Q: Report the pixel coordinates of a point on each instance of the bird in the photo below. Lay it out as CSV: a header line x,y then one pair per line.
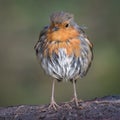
x,y
64,51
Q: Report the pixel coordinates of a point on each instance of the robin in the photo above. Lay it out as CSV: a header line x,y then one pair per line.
x,y
64,51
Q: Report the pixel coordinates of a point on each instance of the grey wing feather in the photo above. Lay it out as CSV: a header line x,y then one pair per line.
x,y
42,37
86,52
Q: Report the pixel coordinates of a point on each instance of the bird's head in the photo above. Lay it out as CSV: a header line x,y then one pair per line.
x,y
62,27
61,20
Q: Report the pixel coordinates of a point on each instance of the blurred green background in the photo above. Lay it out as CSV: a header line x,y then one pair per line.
x,y
22,81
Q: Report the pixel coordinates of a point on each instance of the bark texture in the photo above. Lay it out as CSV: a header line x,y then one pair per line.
x,y
106,108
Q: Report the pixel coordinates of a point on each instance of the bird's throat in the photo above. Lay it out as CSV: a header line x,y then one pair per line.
x,y
62,34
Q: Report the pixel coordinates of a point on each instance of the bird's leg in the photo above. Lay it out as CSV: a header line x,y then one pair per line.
x,y
75,94
53,104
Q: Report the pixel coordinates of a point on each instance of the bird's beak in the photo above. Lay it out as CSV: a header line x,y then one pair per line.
x,y
55,28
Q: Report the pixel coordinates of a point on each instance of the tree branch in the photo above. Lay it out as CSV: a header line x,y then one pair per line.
x,y
106,108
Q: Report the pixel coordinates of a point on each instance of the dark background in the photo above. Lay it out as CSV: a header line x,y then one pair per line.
x,y
22,81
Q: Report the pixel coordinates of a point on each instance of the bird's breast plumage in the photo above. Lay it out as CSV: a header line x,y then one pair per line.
x,y
62,34
63,38
64,57
71,46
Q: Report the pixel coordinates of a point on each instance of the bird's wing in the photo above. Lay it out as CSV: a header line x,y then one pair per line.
x,y
87,50
86,38
42,37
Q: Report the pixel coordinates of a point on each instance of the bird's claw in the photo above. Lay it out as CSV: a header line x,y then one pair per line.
x,y
53,105
75,100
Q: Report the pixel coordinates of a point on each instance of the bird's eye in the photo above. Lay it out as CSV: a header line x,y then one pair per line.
x,y
67,25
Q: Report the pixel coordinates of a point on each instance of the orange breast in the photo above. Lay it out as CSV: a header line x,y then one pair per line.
x,y
63,38
62,34
72,47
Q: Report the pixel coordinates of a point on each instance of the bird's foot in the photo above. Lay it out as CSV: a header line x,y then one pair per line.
x,y
77,102
53,105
